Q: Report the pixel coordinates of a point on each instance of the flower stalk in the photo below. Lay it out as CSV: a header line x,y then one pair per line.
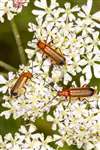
x,y
7,66
18,42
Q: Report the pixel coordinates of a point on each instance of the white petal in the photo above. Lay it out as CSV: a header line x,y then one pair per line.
x,y
87,71
56,137
67,78
2,80
10,16
54,4
78,69
46,65
23,130
96,35
49,118
76,8
29,53
40,4
32,27
3,89
49,139
6,104
97,146
60,143
97,70
67,5
11,75
82,62
54,126
71,17
83,81
87,8
88,146
89,5
8,137
97,25
38,12
81,14
32,128
96,16
6,114
49,27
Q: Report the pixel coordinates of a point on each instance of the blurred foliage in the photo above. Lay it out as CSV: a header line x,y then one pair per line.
x,y
8,46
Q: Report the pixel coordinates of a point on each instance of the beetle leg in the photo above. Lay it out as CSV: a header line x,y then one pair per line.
x,y
69,101
8,91
85,85
73,86
53,62
84,99
50,42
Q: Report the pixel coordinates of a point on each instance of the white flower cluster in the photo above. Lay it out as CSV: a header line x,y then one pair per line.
x,y
35,98
10,8
26,139
78,123
73,32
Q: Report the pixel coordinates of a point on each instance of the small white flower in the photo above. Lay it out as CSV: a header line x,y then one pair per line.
x,y
57,74
68,12
5,82
77,123
94,42
89,146
27,138
44,8
92,61
46,66
86,14
44,142
73,39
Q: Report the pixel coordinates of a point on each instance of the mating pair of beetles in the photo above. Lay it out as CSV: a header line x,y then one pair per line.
x,y
59,59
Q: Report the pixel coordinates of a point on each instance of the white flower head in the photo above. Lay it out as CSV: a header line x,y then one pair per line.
x,y
11,8
77,121
75,39
27,138
85,13
35,97
71,34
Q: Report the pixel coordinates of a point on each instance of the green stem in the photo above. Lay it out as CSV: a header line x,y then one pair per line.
x,y
18,42
4,74
7,67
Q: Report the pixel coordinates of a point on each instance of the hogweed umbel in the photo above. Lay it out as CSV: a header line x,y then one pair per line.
x,y
73,32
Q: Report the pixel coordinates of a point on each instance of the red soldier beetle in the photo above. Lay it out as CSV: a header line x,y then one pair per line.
x,y
20,83
50,52
77,92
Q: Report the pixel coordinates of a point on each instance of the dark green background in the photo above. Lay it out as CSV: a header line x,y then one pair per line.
x,y
9,54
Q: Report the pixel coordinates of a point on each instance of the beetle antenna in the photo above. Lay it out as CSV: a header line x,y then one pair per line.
x,y
50,85
50,100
